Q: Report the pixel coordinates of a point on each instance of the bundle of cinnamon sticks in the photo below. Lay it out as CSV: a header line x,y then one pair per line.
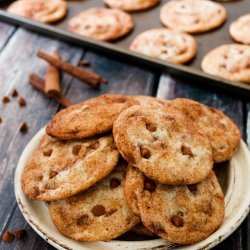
x,y
51,86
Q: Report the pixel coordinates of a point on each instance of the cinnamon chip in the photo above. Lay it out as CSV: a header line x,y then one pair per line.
x,y
150,127
145,153
52,174
8,237
22,102
24,127
177,221
5,99
82,220
186,151
19,233
14,93
76,149
98,210
48,152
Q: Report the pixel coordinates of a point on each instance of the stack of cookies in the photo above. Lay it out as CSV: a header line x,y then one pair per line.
x,y
117,163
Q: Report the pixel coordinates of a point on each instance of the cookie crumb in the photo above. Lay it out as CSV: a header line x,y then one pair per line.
x,y
24,127
22,102
8,237
5,99
19,233
14,93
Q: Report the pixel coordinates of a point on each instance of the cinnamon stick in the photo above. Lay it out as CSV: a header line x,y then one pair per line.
x,y
52,79
82,74
38,83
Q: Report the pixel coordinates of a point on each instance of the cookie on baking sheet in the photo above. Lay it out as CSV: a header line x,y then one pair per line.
x,y
152,101
101,24
192,16
240,29
231,61
99,214
48,11
60,169
165,44
142,230
164,145
131,5
92,117
183,214
222,132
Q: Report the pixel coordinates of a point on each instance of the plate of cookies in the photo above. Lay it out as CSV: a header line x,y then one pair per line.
x,y
135,172
210,38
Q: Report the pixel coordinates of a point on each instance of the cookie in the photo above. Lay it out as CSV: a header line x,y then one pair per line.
x,y
98,214
223,134
101,24
48,11
165,44
92,117
59,169
152,101
231,61
183,214
165,146
192,16
142,230
240,29
131,5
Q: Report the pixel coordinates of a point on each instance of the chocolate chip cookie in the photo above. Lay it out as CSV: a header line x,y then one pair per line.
x,y
231,61
165,44
48,11
101,24
164,145
192,16
60,169
223,134
99,214
183,214
92,117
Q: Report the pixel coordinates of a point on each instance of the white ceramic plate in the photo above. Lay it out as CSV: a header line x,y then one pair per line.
x,y
234,178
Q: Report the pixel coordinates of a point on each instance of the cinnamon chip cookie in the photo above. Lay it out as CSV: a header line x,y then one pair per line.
x,y
101,24
166,146
99,214
183,214
165,44
192,16
223,134
231,61
48,11
131,5
92,117
60,169
240,29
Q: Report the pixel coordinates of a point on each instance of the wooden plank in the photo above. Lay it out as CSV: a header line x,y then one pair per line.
x,y
122,79
14,71
172,87
7,30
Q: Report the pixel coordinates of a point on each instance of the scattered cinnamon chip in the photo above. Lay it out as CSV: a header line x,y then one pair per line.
x,y
24,127
14,93
22,102
8,237
98,210
177,221
47,152
19,233
5,99
76,149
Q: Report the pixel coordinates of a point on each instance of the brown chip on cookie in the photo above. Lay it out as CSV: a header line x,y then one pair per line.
x,y
131,5
180,214
223,134
230,61
164,145
48,11
101,24
59,169
192,16
92,117
165,44
99,214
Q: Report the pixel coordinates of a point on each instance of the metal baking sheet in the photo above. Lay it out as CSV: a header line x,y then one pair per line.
x,y
143,21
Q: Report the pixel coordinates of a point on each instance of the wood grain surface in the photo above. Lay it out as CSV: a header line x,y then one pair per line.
x,y
17,60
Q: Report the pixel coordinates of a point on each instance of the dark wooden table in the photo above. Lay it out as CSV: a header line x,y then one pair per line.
x,y
17,60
